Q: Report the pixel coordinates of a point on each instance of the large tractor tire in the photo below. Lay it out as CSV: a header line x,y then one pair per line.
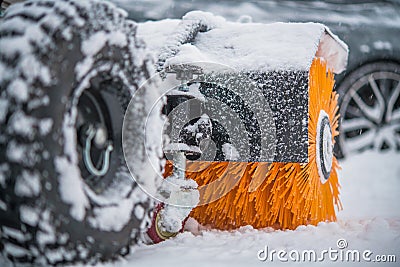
x,y
68,70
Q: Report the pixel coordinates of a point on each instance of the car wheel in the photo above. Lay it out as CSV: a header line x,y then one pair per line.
x,y
370,108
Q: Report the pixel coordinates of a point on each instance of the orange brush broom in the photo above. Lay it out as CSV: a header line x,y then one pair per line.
x,y
281,195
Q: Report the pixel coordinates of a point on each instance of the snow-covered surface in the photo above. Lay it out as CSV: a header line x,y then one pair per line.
x,y
154,38
206,18
111,218
275,46
183,195
370,220
71,187
91,46
230,152
29,185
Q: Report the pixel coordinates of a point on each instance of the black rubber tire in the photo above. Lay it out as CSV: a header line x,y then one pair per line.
x,y
346,85
50,51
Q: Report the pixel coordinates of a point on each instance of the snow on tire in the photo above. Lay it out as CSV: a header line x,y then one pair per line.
x,y
67,67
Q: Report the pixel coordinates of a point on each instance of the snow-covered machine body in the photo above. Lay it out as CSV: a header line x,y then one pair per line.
x,y
267,90
264,60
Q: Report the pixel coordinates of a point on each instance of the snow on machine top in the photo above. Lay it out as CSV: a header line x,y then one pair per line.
x,y
244,46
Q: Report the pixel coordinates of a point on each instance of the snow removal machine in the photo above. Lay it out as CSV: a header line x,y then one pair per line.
x,y
115,132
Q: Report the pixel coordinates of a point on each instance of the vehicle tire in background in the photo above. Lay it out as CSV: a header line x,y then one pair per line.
x,y
68,70
370,108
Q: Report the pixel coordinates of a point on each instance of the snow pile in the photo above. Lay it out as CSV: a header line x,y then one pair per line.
x,y
154,37
182,196
205,18
276,46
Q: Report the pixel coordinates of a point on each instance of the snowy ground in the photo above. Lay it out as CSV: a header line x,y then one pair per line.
x,y
370,221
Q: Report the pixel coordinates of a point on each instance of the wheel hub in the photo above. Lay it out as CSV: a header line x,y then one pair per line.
x,y
324,146
370,110
94,136
98,137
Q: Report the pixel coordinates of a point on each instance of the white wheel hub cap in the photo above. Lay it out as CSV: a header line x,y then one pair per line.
x,y
324,146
